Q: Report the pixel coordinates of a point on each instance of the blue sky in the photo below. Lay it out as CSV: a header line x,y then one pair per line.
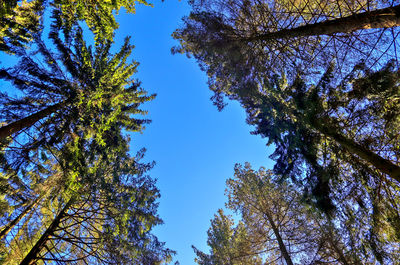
x,y
195,146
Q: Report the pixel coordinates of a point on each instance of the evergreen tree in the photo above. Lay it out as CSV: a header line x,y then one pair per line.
x,y
328,133
102,212
229,244
276,226
20,19
70,193
235,41
273,214
330,127
75,91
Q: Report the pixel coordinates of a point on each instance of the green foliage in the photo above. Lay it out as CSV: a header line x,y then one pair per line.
x,y
333,136
18,23
229,39
229,244
95,92
98,205
20,19
98,15
107,219
274,216
307,125
69,191
276,226
6,6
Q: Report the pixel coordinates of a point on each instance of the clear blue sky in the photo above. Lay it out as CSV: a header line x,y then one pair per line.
x,y
195,146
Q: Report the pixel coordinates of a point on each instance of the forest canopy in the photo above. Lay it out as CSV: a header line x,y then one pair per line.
x,y
319,80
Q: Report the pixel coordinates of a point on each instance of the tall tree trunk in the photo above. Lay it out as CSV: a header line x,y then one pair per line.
x,y
282,246
30,258
382,164
382,18
16,126
10,225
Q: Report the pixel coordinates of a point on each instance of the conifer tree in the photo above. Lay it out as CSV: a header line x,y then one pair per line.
x,y
276,226
328,103
228,244
234,41
102,211
22,18
70,193
73,91
327,126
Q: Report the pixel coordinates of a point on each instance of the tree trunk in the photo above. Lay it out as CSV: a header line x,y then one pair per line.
x,y
9,226
23,123
30,258
382,18
382,164
282,246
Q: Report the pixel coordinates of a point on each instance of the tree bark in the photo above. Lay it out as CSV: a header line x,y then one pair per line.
x,y
382,164
23,123
30,258
382,18
9,226
282,246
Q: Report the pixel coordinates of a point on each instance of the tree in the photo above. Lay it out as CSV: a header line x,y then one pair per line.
x,y
231,43
23,193
307,122
29,207
100,111
327,131
360,110
100,229
101,210
104,216
228,244
235,41
70,191
273,215
19,19
279,227
78,92
98,15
